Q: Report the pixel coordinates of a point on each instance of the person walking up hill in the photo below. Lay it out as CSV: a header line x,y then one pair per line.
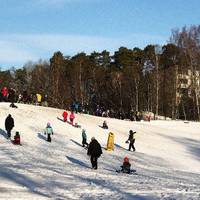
x,y
9,124
95,151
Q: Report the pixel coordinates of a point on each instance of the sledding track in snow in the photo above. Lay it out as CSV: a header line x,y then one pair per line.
x,y
167,159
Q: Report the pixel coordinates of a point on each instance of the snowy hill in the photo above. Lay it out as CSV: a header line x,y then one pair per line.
x,y
167,158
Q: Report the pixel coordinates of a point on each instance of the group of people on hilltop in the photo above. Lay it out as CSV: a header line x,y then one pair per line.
x,y
33,98
10,95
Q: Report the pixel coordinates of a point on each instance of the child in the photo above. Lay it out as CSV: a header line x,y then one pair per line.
x,y
71,118
84,138
48,131
65,114
126,167
105,126
16,138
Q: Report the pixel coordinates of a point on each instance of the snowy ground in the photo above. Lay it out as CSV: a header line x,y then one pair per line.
x,y
167,159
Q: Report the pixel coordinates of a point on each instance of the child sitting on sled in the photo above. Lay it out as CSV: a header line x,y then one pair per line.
x,y
16,138
105,126
126,167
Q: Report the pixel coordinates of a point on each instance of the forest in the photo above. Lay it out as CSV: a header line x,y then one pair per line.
x,y
164,79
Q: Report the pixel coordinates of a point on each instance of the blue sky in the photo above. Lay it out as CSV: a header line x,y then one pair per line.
x,y
34,29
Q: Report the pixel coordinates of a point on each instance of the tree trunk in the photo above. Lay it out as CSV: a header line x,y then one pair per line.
x,y
157,87
137,96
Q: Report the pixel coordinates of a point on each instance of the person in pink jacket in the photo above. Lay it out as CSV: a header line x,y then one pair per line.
x,y
71,118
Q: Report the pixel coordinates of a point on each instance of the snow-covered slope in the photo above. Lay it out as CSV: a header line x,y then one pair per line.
x,y
167,158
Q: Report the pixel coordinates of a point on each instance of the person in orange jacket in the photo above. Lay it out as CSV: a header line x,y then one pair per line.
x,y
71,118
65,114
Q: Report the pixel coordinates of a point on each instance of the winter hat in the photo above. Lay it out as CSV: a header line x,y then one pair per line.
x,y
126,159
48,124
93,138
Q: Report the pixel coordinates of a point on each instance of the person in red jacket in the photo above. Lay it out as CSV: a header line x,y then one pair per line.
x,y
65,114
71,118
16,138
4,92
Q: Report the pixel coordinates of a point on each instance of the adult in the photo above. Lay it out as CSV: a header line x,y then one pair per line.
x,y
76,107
131,138
11,95
95,151
4,93
9,124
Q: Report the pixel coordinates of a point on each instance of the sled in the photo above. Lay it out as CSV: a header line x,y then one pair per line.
x,y
132,171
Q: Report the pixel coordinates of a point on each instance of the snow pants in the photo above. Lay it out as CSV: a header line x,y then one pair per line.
x,y
94,161
71,121
9,133
84,142
49,137
131,145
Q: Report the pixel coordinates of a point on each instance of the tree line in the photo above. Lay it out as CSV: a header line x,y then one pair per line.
x,y
130,80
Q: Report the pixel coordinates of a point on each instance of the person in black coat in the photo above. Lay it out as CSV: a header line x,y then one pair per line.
x,y
131,138
9,124
95,151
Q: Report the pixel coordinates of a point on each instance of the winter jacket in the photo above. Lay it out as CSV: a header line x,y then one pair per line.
x,y
11,95
126,167
84,136
131,136
17,139
4,92
9,123
48,130
72,116
94,149
65,114
39,98
105,125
